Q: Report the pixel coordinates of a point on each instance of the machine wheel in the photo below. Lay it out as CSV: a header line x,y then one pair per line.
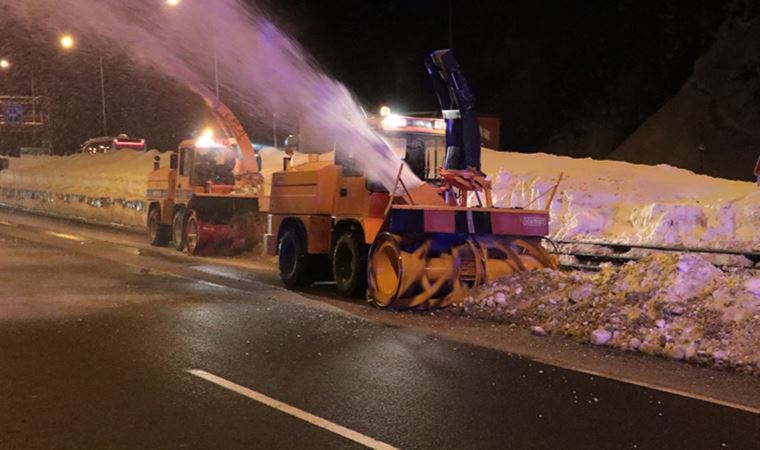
x,y
349,264
158,233
294,262
178,229
192,231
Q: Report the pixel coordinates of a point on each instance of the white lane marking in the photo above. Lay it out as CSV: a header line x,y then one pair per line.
x,y
2,222
70,237
293,411
208,283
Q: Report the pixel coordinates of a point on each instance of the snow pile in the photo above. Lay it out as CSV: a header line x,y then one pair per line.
x,y
598,200
271,162
620,202
673,305
105,188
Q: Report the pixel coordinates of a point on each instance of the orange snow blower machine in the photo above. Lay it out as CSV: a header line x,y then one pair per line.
x,y
405,248
207,200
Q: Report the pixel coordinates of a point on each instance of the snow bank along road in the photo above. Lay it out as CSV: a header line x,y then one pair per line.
x,y
604,201
100,331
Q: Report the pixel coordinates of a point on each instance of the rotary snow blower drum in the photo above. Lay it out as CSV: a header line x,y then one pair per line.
x,y
429,255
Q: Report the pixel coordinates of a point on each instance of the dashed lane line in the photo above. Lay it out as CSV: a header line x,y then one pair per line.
x,y
70,237
293,411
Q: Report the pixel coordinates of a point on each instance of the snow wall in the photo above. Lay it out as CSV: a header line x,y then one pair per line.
x,y
598,200
615,201
108,188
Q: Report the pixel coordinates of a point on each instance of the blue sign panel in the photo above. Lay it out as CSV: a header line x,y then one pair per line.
x,y
13,112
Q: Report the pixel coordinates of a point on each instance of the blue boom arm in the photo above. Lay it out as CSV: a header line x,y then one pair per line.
x,y
458,108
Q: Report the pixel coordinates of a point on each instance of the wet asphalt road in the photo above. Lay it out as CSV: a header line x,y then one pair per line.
x,y
94,353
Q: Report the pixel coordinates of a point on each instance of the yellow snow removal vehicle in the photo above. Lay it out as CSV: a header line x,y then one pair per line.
x,y
405,248
207,200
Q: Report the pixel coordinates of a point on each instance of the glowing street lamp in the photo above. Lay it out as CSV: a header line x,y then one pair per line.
x,y
173,2
67,42
4,64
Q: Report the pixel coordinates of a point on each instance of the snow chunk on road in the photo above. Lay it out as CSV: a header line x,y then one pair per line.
x,y
753,285
600,337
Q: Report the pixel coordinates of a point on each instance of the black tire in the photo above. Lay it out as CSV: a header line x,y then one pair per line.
x,y
294,263
191,233
178,229
158,233
349,263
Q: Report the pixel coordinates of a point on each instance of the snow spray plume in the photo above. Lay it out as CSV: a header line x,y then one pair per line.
x,y
256,61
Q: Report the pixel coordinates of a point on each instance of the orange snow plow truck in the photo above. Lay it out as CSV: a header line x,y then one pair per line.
x,y
207,200
405,248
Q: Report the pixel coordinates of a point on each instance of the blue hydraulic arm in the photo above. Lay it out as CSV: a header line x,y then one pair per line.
x,y
458,108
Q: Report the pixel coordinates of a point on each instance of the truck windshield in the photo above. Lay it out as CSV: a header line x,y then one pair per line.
x,y
424,153
215,165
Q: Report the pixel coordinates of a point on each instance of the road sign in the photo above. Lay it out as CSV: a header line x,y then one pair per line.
x,y
13,112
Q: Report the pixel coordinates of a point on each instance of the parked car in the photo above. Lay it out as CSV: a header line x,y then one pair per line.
x,y
109,143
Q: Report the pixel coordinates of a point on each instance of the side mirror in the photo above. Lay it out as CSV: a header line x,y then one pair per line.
x,y
173,161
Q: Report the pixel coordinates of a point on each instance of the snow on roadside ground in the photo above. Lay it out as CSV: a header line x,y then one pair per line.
x,y
105,188
620,202
673,305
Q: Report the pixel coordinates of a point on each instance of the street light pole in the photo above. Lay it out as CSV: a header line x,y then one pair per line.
x,y
451,24
216,55
103,94
34,101
274,129
67,43
174,4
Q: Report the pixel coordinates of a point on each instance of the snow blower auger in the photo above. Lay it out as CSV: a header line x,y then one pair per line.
x,y
428,254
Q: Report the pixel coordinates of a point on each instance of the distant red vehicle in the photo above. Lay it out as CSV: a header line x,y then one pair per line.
x,y
109,143
757,171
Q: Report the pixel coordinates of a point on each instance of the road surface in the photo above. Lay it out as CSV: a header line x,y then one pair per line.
x,y
107,343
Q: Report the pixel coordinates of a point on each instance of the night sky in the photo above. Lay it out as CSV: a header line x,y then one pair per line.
x,y
548,69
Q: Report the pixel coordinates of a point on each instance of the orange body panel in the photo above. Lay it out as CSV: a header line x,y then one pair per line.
x,y
305,190
317,195
352,198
